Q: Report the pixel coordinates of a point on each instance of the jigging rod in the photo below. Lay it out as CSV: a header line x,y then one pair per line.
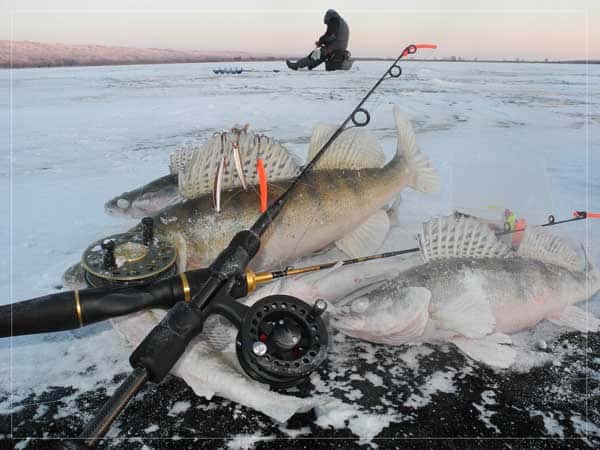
x,y
265,277
163,346
74,309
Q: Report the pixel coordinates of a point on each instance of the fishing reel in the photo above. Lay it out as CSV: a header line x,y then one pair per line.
x,y
282,340
129,259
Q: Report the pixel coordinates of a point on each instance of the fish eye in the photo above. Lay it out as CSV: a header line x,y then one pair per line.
x,y
123,203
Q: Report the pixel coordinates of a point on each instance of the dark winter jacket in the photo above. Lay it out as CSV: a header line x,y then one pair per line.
x,y
337,34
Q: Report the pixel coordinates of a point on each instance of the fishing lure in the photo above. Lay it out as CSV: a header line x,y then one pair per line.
x,y
262,177
237,160
218,180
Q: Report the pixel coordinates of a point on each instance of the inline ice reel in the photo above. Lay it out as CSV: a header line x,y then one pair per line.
x,y
129,259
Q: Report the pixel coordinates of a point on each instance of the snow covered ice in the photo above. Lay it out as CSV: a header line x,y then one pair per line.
x,y
523,136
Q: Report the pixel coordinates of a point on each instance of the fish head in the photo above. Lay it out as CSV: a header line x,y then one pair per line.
x,y
388,315
140,203
120,206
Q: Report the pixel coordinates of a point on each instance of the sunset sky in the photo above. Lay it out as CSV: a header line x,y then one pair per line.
x,y
535,29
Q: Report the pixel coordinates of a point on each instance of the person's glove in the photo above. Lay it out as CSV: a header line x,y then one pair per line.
x,y
316,54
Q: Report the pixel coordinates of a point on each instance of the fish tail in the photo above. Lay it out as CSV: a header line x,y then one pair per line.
x,y
424,177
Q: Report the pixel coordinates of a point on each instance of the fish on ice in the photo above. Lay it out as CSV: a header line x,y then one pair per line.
x,y
342,201
473,291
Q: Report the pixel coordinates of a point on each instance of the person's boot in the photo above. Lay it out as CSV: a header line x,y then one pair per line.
x,y
291,65
301,63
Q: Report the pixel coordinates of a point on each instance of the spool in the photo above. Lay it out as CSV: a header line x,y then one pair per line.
x,y
137,261
294,337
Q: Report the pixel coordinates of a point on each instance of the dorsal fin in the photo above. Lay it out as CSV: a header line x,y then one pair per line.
x,y
197,167
539,243
451,237
180,158
353,149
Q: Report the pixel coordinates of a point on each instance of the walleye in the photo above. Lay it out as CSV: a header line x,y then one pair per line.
x,y
146,200
342,201
473,290
194,170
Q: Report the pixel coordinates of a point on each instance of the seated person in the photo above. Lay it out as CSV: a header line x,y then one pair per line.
x,y
331,47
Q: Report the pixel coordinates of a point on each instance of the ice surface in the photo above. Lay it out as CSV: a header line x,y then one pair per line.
x,y
79,136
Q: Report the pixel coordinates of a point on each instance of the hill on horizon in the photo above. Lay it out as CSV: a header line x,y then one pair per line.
x,y
38,54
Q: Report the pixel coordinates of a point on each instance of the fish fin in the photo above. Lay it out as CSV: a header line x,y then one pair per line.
x,y
542,245
182,253
451,237
425,177
493,350
392,211
385,321
353,149
367,238
470,315
180,158
576,318
196,176
74,277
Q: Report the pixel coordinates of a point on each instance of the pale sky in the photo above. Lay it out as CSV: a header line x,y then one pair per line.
x,y
536,29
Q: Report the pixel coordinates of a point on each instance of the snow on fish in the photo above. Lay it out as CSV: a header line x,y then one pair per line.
x,y
473,291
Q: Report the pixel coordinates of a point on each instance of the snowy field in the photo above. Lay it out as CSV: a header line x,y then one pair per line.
x,y
523,136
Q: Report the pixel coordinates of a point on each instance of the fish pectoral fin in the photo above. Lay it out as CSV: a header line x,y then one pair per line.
x,y
182,253
367,238
494,349
392,211
468,315
354,149
577,318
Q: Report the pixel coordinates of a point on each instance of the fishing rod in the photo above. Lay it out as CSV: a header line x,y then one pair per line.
x,y
265,277
74,309
296,337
